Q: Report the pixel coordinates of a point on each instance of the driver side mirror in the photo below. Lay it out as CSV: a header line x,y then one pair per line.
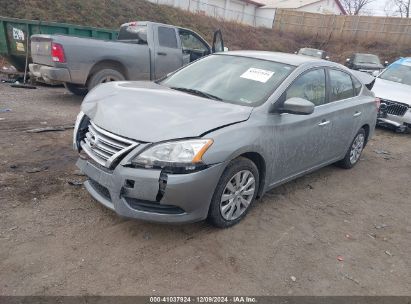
x,y
386,63
298,106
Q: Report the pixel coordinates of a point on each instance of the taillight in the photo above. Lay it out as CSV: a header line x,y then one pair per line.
x,y
377,103
57,53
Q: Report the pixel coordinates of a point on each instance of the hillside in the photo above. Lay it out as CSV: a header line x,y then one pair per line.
x,y
112,13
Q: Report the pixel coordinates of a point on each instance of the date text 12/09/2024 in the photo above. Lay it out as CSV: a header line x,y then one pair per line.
x,y
205,299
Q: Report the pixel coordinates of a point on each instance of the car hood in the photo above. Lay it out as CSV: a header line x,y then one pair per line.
x,y
149,112
391,90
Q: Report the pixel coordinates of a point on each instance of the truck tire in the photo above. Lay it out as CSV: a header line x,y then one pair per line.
x,y
103,76
76,89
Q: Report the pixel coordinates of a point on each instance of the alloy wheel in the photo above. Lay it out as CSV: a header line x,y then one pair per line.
x,y
356,148
237,195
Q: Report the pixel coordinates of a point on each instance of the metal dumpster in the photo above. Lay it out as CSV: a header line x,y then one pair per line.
x,y
15,32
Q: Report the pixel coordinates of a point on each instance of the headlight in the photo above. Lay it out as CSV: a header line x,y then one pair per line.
x,y
187,153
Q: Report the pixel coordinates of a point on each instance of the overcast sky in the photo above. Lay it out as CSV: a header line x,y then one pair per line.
x,y
377,7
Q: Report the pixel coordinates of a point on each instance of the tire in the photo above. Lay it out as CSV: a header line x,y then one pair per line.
x,y
103,76
76,89
240,202
353,154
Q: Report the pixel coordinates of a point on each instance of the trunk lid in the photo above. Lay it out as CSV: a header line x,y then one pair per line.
x,y
41,49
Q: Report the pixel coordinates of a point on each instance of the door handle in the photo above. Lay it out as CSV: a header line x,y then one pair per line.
x,y
161,54
357,114
324,123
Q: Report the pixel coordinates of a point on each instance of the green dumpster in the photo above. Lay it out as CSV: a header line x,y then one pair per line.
x,y
15,32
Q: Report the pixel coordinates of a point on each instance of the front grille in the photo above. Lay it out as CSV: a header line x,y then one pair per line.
x,y
395,108
104,147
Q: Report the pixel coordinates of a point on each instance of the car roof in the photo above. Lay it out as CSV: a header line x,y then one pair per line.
x,y
311,49
290,59
365,54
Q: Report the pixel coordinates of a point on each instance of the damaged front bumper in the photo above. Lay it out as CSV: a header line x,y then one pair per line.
x,y
151,195
394,115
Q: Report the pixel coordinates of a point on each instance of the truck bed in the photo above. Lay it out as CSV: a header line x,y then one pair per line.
x,y
82,54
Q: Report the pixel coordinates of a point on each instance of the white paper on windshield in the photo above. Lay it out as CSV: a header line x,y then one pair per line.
x,y
257,75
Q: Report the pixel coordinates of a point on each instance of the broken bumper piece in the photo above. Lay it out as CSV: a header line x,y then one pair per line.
x,y
150,195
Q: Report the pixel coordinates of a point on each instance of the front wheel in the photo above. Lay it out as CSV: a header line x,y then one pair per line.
x,y
354,152
235,193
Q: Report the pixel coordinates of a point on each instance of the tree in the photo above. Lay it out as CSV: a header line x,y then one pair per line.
x,y
357,7
400,8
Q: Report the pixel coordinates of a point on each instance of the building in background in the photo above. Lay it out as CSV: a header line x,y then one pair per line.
x,y
333,7
243,11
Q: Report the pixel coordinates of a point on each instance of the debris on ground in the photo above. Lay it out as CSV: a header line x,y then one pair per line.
x,y
23,85
381,226
50,129
373,236
36,170
348,236
75,183
5,110
388,253
382,152
340,258
347,276
8,80
293,278
78,173
2,118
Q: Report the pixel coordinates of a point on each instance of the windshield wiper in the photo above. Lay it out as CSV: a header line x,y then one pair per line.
x,y
197,92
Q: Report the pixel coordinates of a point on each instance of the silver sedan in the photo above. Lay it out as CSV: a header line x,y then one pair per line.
x,y
209,139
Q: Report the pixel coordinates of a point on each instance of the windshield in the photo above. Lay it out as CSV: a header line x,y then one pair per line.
x,y
367,58
234,79
398,73
311,52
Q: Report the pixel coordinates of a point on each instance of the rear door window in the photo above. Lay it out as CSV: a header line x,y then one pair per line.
x,y
310,86
341,86
167,37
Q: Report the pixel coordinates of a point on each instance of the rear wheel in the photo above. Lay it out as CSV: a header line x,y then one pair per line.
x,y
235,193
354,152
76,89
103,76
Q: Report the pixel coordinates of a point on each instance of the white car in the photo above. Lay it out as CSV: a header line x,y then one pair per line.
x,y
393,87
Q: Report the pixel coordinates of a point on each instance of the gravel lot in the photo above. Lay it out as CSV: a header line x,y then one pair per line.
x,y
56,240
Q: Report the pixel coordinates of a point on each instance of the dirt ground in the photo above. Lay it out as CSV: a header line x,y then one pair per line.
x,y
56,240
